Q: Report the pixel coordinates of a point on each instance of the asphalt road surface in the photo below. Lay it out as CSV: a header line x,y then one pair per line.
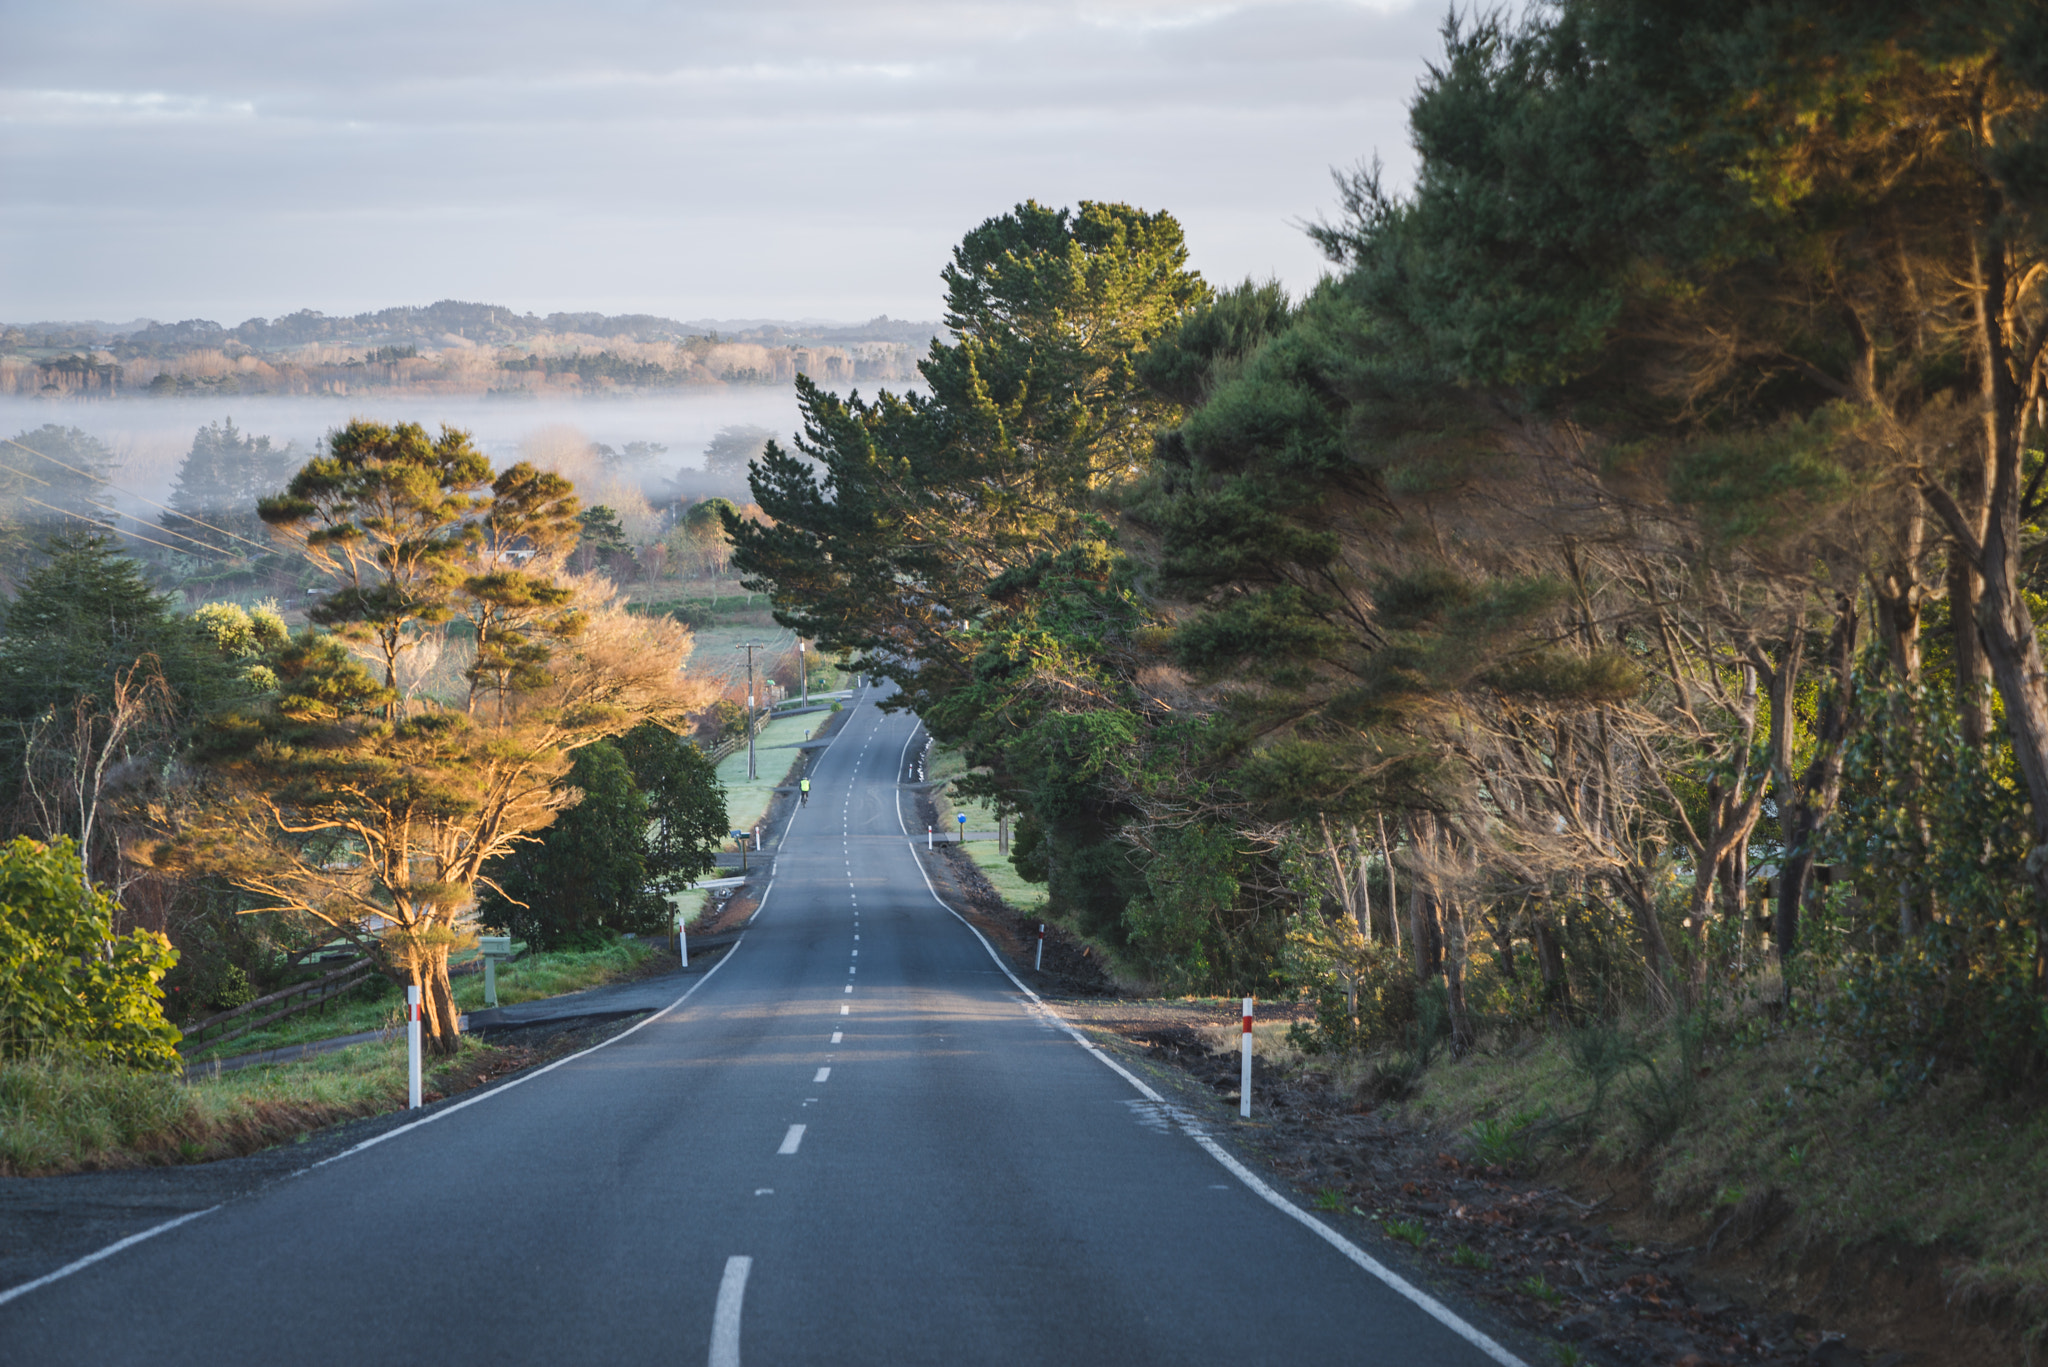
x,y
856,1141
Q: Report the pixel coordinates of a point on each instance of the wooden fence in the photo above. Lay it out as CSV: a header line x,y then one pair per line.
x,y
296,998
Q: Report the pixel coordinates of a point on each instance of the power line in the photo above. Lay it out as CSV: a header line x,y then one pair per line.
x,y
207,546
138,497
178,550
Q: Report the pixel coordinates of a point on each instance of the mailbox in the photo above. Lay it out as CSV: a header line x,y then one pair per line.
x,y
495,946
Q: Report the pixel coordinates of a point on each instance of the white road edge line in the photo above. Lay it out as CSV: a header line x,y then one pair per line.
x,y
109,1251
792,1139
1414,1294
725,1320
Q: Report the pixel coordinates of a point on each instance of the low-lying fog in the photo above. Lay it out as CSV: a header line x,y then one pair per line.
x,y
150,436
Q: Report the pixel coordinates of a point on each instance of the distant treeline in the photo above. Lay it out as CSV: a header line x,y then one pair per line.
x,y
437,324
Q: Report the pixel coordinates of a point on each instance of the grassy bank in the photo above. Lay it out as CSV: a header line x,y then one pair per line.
x,y
59,1117
380,1005
1027,898
1771,1137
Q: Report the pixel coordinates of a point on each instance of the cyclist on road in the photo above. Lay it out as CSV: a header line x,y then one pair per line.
x,y
804,787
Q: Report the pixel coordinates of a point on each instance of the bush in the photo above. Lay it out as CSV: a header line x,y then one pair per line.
x,y
68,985
585,880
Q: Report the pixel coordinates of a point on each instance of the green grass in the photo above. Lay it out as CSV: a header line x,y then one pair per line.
x,y
1468,1257
1947,1167
63,1117
746,799
1027,898
1407,1231
380,1004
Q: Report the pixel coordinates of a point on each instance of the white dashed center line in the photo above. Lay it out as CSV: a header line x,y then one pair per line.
x,y
838,1035
792,1139
823,1073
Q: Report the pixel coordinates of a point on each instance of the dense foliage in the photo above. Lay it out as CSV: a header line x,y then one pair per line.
x,y
68,984
1640,526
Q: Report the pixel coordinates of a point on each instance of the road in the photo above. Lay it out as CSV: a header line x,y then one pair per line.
x,y
857,1141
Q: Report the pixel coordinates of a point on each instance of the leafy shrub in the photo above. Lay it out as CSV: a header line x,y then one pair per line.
x,y
68,985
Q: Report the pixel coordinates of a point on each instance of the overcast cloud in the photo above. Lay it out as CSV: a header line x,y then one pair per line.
x,y
790,159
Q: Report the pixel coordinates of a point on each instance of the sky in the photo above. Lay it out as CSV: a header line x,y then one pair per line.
x,y
228,159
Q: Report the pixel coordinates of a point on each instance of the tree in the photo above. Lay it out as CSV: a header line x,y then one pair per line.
x,y
52,479
1034,412
959,540
332,801
68,984
733,448
387,512
685,804
220,481
605,545
585,878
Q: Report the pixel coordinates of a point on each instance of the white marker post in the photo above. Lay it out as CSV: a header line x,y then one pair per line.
x,y
1039,964
682,938
928,837
1244,1086
412,1048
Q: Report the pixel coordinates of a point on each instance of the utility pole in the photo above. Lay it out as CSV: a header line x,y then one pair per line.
x,y
750,647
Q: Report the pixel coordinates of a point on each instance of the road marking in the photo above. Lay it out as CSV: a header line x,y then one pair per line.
x,y
109,1251
851,970
792,1139
725,1320
764,1191
849,990
838,1035
844,1009
1415,1295
823,1074
856,953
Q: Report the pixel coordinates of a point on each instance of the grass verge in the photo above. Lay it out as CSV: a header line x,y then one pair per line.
x,y
380,1005
1778,1141
58,1117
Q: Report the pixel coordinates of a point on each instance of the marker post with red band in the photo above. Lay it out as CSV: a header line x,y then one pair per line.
x,y
1244,1086
412,1048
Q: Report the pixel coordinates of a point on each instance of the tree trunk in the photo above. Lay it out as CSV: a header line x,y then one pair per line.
x,y
1557,985
439,1021
1393,891
1454,976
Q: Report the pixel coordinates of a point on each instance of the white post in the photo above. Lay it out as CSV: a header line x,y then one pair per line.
x,y
682,939
1040,964
928,837
1244,1086
490,980
412,1048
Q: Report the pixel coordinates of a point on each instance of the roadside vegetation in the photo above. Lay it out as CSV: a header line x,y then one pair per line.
x,y
60,1116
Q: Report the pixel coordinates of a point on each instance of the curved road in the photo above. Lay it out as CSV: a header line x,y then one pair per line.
x,y
856,1141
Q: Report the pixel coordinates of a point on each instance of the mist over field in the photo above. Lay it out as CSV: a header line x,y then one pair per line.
x,y
149,437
